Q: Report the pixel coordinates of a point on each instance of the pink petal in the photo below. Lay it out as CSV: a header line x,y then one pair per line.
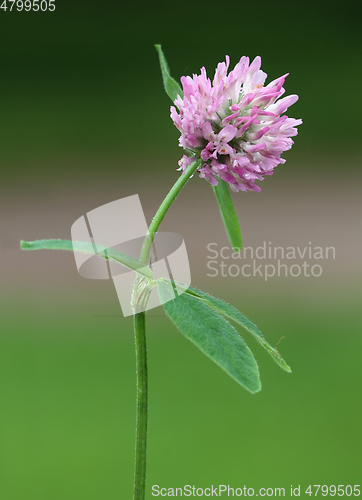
x,y
227,133
207,132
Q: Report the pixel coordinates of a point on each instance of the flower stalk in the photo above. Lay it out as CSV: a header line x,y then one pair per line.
x,y
165,205
139,323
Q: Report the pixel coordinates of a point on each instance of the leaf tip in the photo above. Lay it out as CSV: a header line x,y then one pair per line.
x,y
24,245
256,389
283,365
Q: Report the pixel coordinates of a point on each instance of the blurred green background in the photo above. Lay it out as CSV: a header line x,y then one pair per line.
x,y
85,121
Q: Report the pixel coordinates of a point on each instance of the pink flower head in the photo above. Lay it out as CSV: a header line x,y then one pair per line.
x,y
234,124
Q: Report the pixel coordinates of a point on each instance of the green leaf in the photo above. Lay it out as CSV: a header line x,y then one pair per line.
x,y
228,214
172,88
212,334
230,312
85,247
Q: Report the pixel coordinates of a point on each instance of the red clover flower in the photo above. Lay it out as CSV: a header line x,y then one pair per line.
x,y
235,125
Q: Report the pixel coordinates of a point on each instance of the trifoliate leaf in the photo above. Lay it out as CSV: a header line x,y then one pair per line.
x,y
212,334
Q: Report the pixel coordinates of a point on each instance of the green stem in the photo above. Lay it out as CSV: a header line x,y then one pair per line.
x,y
142,406
141,345
165,205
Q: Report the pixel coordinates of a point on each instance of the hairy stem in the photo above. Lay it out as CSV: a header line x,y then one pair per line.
x,y
141,345
165,205
142,406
